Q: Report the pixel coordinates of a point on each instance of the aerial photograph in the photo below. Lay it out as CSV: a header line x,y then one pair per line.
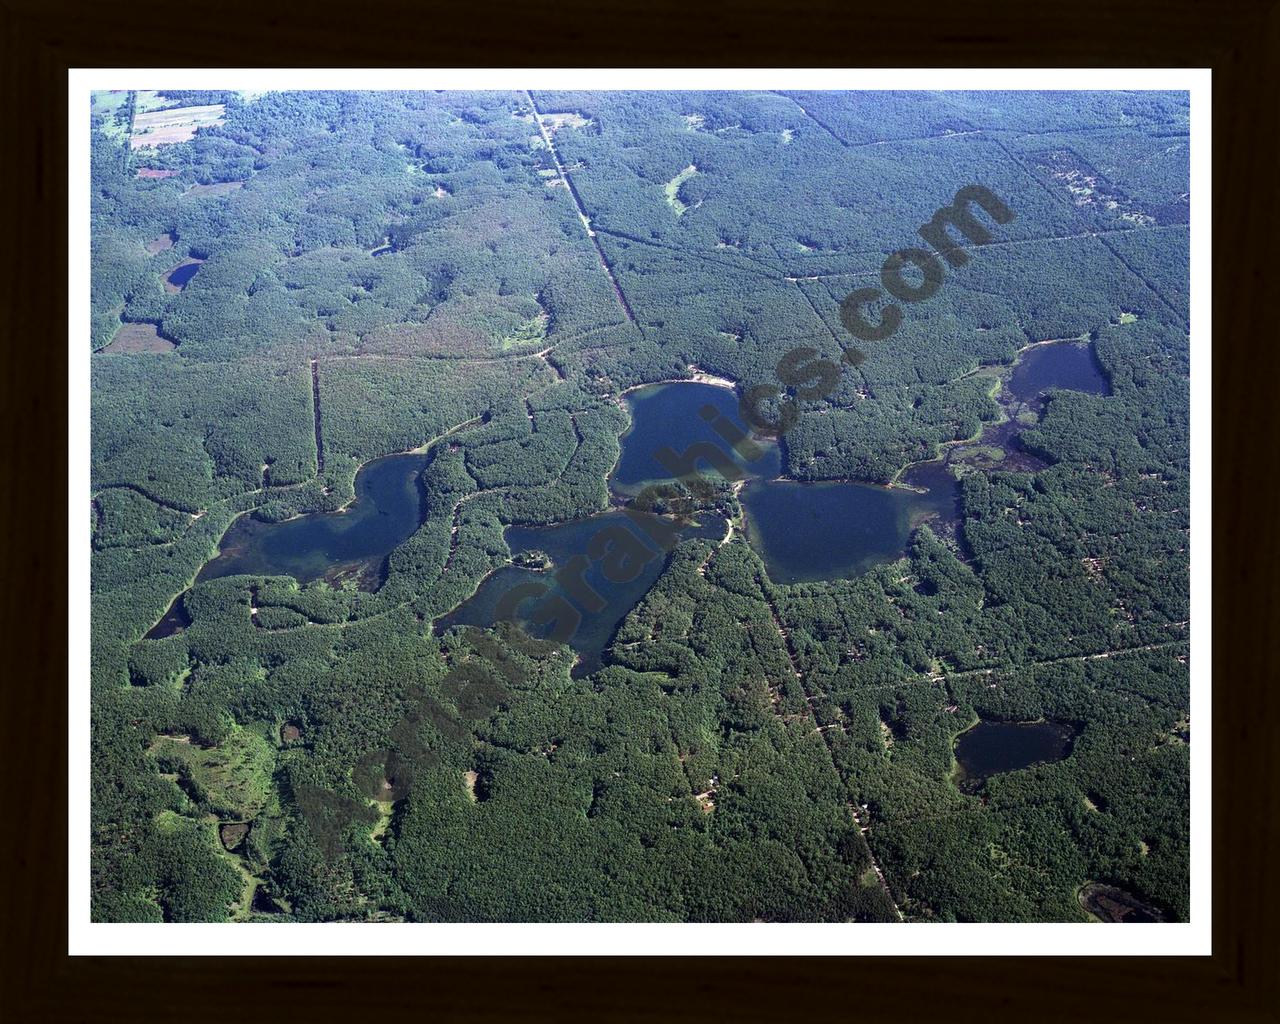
x,y
639,506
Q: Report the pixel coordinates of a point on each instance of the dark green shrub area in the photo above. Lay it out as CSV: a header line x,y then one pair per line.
x,y
357,215
188,434
771,185
1161,257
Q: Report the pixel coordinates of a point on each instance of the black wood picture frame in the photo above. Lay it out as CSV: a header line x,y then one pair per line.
x,y
1238,39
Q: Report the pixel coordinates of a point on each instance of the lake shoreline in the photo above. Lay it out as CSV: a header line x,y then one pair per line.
x,y
698,377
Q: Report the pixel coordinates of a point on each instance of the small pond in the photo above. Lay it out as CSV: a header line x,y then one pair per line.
x,y
180,275
994,748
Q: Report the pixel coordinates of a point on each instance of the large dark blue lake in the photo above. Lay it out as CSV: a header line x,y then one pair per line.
x,y
679,416
803,531
354,543
388,508
598,624
1069,365
812,531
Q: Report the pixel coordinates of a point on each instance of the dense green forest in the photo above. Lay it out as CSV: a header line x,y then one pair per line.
x,y
478,277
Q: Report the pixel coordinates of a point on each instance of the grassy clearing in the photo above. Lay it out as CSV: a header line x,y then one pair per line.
x,y
233,778
108,102
132,338
160,243
532,331
566,119
672,189
113,107
379,829
167,127
150,99
171,821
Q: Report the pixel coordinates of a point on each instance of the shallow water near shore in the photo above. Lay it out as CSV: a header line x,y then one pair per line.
x,y
803,530
387,509
598,625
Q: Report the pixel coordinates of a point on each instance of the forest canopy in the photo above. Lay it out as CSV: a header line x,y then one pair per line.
x,y
478,278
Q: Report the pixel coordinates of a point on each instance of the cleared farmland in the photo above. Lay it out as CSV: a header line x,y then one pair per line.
x,y
178,124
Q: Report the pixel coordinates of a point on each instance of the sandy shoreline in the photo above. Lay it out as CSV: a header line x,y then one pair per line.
x,y
698,377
